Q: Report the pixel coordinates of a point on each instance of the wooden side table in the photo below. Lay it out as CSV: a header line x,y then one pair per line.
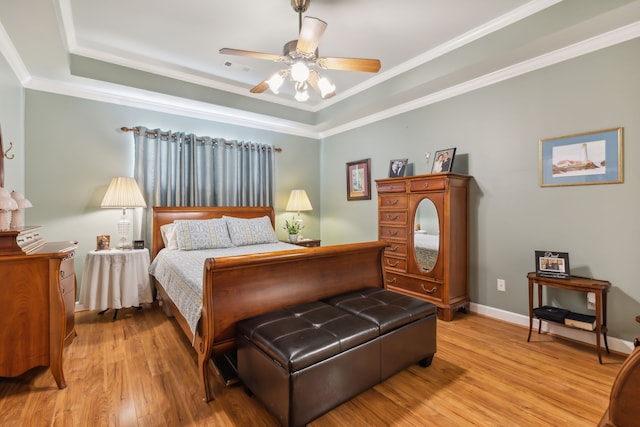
x,y
307,243
116,279
599,287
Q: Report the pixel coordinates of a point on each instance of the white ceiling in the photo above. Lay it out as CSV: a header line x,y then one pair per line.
x,y
181,39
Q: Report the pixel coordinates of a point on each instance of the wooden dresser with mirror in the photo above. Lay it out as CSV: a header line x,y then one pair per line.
x,y
424,219
37,302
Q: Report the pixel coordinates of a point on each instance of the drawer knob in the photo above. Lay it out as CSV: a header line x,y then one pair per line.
x,y
393,233
392,264
392,218
393,202
393,248
429,291
425,184
391,280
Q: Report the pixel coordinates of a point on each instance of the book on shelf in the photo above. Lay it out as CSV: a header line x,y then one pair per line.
x,y
581,321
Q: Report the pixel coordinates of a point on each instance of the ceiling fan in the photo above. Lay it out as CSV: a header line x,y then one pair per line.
x,y
302,59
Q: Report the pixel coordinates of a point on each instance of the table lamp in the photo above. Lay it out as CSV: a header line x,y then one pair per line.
x,y
123,193
298,201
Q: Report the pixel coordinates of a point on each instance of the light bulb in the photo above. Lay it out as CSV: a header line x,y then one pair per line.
x,y
326,87
299,71
302,95
275,82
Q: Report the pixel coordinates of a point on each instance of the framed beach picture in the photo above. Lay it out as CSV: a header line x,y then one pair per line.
x,y
443,160
398,168
359,180
582,159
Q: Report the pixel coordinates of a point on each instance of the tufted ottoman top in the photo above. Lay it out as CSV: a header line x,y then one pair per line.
x,y
389,310
297,337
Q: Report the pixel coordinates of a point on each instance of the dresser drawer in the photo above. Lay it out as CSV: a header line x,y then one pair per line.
x,y
66,267
427,184
424,288
399,264
391,186
396,248
393,201
392,217
389,232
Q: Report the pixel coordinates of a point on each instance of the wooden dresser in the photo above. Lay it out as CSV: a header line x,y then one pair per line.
x,y
37,302
424,219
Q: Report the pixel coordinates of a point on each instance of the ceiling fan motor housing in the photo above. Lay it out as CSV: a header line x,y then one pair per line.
x,y
300,6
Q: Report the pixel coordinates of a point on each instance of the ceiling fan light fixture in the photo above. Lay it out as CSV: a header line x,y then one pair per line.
x,y
301,96
299,71
275,81
326,87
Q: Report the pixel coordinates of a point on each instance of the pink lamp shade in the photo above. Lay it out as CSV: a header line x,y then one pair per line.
x,y
16,214
7,204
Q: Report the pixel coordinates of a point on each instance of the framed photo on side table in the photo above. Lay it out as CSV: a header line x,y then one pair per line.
x,y
552,264
443,160
582,159
359,180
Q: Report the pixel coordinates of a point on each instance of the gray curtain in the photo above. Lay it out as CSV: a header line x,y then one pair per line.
x,y
179,169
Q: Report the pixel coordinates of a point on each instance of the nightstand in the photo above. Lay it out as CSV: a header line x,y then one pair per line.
x,y
307,243
116,279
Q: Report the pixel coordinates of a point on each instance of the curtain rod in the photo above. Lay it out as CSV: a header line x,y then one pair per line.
x,y
152,133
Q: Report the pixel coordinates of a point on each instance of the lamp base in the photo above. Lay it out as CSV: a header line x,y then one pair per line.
x,y
124,228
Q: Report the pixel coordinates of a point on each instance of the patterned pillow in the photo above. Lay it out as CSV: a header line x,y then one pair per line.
x,y
250,231
202,234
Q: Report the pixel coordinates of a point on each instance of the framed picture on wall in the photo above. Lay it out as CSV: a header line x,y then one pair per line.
x,y
552,264
359,180
397,168
443,160
582,159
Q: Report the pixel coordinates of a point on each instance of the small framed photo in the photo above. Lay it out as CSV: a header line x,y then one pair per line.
x,y
359,180
443,160
582,159
552,264
397,168
103,242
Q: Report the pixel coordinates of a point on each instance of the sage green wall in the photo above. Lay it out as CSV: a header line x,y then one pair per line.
x,y
75,147
496,131
12,123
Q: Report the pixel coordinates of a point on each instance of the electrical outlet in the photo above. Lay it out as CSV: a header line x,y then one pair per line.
x,y
502,286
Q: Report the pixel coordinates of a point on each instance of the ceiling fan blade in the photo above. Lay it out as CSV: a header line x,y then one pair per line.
x,y
259,55
310,33
260,87
350,64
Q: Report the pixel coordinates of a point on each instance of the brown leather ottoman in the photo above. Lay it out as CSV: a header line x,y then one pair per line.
x,y
407,326
305,360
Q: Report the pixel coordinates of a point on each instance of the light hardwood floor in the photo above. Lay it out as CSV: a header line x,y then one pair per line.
x,y
141,371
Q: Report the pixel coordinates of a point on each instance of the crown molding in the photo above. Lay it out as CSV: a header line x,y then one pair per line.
x,y
116,94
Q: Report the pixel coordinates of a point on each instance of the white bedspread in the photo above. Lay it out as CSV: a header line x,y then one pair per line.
x,y
181,272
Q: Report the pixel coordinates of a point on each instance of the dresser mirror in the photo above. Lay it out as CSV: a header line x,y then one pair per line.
x,y
426,235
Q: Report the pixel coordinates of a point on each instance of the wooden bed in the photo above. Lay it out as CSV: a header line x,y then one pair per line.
x,y
238,287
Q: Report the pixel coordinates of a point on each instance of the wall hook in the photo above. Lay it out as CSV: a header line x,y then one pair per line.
x,y
6,153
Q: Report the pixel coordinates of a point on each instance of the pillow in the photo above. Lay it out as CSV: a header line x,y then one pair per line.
x,y
169,237
194,234
251,231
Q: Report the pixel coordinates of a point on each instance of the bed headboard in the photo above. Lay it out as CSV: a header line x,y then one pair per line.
x,y
167,214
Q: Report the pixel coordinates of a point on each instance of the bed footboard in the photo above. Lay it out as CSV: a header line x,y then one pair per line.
x,y
236,288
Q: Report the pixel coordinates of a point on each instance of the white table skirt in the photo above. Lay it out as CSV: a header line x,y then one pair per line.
x,y
116,279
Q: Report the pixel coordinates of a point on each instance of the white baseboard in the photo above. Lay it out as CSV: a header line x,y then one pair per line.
x,y
615,344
